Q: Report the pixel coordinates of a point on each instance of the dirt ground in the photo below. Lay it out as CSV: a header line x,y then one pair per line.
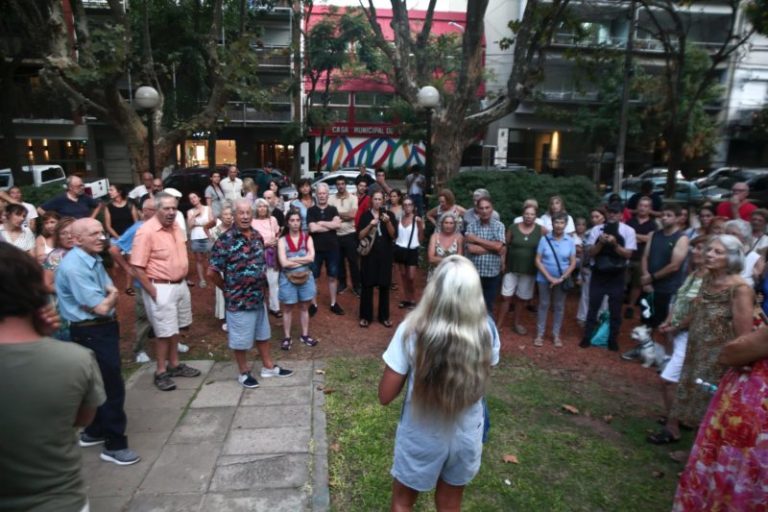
x,y
341,336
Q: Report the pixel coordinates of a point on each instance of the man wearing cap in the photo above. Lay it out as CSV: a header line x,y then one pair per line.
x,y
611,245
159,256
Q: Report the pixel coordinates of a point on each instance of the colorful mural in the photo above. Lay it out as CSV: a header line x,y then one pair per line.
x,y
389,153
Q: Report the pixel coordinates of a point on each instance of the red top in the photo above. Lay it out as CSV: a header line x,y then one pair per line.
x,y
745,210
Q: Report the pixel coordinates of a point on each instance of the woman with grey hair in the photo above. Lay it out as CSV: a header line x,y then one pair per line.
x,y
721,312
743,231
269,230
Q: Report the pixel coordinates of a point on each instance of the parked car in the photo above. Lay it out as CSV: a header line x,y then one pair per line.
x,y
685,191
41,175
717,185
196,179
350,173
496,168
657,172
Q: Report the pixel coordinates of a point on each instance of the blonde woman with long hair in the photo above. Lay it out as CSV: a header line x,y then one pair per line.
x,y
444,349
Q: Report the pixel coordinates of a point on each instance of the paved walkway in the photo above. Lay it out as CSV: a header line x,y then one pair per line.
x,y
211,445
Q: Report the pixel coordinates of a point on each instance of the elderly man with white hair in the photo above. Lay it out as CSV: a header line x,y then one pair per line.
x,y
471,215
323,220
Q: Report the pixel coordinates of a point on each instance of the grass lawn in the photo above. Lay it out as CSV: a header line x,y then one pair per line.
x,y
597,459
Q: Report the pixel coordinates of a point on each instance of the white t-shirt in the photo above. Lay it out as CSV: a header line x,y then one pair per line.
x,y
233,190
546,221
182,224
25,241
198,232
31,213
137,192
749,266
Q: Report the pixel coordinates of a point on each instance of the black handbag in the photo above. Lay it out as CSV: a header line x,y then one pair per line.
x,y
567,284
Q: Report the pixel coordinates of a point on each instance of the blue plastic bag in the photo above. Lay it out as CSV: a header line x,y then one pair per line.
x,y
603,331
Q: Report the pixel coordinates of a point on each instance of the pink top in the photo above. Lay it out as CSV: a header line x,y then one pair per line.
x,y
267,228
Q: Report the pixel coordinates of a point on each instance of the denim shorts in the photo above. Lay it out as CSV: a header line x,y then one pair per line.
x,y
292,293
425,454
245,327
331,259
200,245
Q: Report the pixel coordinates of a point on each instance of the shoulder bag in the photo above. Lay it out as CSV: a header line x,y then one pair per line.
x,y
365,244
568,284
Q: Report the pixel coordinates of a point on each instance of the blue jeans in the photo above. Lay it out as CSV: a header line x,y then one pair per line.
x,y
110,421
490,290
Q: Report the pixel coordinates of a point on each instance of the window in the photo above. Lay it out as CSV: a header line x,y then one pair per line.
x,y
334,98
51,174
372,107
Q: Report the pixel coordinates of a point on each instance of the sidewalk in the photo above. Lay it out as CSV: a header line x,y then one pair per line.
x,y
212,445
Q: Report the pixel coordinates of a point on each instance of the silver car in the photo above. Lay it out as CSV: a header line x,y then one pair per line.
x,y
349,173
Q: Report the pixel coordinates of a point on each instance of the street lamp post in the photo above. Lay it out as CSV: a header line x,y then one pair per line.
x,y
147,98
428,98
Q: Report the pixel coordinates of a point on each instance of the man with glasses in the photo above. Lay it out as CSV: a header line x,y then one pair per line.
x,y
73,202
739,206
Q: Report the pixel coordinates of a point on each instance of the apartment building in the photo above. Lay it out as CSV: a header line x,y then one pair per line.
x,y
544,142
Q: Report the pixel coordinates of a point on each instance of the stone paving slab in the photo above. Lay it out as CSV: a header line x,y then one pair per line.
x,y
264,500
267,440
278,416
218,394
212,446
234,473
166,503
295,395
182,469
205,424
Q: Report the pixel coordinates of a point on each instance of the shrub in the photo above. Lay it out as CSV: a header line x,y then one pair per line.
x,y
38,195
509,190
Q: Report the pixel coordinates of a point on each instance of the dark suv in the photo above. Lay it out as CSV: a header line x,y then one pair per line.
x,y
196,179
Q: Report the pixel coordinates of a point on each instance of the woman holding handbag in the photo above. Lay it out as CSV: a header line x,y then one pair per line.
x,y
269,230
555,259
378,227
296,252
410,234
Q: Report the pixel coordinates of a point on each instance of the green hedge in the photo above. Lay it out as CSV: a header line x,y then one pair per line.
x,y
38,195
509,190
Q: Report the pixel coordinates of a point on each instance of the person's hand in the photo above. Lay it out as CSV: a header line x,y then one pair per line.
x,y
648,288
47,320
385,218
374,222
111,290
646,279
152,291
668,328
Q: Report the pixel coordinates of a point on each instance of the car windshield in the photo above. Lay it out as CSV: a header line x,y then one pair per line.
x,y
5,180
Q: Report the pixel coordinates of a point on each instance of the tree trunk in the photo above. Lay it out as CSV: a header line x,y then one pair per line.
x,y
448,144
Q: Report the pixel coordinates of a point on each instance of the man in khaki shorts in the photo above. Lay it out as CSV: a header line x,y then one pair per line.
x,y
159,256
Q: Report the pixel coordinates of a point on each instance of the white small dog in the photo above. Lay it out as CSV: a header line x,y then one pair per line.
x,y
651,353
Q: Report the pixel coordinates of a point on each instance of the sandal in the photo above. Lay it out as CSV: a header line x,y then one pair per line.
x,y
286,344
393,286
538,342
663,436
386,323
364,323
130,291
308,340
405,304
277,313
519,329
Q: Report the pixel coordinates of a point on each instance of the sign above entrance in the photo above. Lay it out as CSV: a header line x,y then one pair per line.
x,y
359,130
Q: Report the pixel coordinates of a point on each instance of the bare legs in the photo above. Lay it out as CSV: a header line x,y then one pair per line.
x,y
201,265
167,349
408,279
517,305
303,319
447,497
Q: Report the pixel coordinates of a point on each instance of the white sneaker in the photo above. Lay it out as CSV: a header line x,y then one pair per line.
x,y
142,357
275,371
183,348
224,327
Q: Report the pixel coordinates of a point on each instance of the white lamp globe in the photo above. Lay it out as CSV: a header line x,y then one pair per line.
x,y
428,97
147,97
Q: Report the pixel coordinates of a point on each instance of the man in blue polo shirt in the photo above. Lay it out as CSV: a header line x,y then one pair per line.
x,y
87,300
73,202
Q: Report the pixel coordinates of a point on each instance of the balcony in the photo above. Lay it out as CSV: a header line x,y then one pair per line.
x,y
278,58
569,96
242,113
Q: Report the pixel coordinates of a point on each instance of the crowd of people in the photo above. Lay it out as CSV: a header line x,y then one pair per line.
x,y
696,279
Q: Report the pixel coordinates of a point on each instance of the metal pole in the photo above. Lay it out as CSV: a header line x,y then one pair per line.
x,y
621,146
151,142
428,151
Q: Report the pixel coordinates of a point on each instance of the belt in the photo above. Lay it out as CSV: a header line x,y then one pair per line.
x,y
95,321
165,281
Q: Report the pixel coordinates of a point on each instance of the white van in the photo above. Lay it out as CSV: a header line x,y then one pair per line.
x,y
41,175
